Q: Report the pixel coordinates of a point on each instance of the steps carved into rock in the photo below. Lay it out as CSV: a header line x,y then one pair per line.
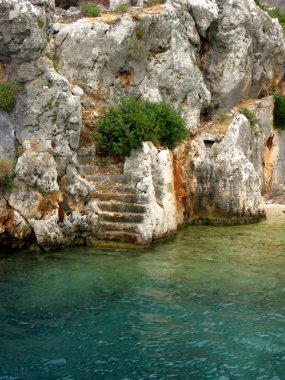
x,y
121,209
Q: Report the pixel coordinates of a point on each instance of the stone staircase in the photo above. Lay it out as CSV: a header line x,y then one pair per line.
x,y
121,209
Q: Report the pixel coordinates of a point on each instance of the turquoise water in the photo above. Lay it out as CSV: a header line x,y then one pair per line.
x,y
209,304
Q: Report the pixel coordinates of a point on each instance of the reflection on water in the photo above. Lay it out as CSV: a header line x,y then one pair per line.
x,y
208,305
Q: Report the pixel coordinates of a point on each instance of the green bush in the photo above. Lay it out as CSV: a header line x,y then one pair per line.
x,y
279,111
90,10
8,95
250,116
125,127
121,8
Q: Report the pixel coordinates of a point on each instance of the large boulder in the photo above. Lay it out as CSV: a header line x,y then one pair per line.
x,y
25,29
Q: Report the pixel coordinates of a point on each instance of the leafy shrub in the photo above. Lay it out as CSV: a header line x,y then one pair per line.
x,y
125,127
159,1
250,116
279,111
90,10
6,175
8,95
121,8
133,2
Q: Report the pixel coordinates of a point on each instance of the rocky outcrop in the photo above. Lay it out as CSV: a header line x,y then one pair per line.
x,y
201,56
190,53
219,183
26,27
43,130
246,54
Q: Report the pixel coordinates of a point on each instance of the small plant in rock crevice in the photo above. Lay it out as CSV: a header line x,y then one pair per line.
x,y
6,175
250,116
8,95
124,127
140,31
41,21
121,8
90,10
279,111
55,62
221,115
50,103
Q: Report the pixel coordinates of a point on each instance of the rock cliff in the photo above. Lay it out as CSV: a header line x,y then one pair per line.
x,y
209,58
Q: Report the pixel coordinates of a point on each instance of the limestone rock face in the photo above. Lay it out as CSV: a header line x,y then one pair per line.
x,y
7,137
38,169
190,53
155,56
204,13
25,28
54,119
151,175
219,184
247,48
44,128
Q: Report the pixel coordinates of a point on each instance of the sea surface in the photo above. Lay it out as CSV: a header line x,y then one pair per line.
x,y
208,304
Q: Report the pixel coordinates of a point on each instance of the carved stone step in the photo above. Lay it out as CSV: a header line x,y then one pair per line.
x,y
106,187
118,178
119,217
117,226
94,160
121,236
97,170
122,207
120,197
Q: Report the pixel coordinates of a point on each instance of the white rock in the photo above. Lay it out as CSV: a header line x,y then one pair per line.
x,y
76,90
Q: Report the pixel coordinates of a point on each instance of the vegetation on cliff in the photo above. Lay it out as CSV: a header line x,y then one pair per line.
x,y
273,13
90,10
279,111
250,116
124,127
8,95
6,175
